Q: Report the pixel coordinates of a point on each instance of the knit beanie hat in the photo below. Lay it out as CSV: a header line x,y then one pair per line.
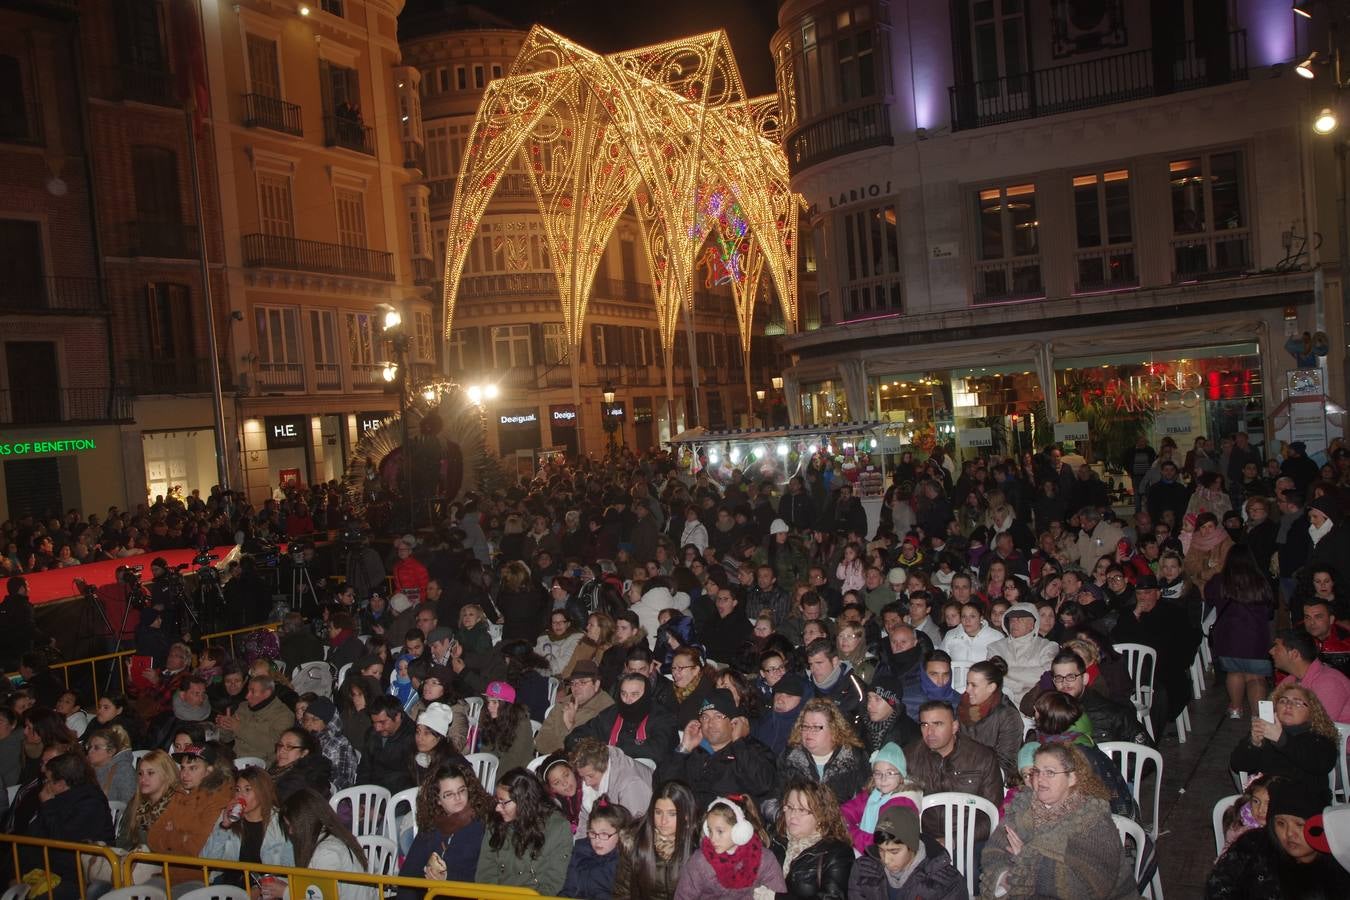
x,y
887,691
1026,757
900,818
437,717
1292,797
322,709
891,754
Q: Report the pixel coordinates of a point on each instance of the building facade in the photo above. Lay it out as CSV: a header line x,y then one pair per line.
x,y
508,327
316,125
1023,217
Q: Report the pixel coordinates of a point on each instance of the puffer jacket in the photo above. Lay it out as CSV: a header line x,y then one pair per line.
x,y
543,872
590,876
626,886
626,783
1255,868
820,870
1028,657
934,877
648,609
846,771
1001,731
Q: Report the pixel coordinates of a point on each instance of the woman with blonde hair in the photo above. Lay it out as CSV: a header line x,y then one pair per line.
x,y
595,642
1301,744
851,642
822,732
156,784
1057,839
473,633
811,842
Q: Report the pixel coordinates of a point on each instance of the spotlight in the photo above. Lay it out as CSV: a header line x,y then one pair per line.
x,y
1305,68
782,449
390,372
475,394
392,319
304,10
1325,123
490,392
429,394
1303,8
713,458
735,455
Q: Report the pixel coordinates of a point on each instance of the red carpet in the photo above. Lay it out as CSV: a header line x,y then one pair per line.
x,y
59,584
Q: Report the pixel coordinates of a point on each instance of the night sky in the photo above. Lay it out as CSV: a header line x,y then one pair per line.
x,y
607,26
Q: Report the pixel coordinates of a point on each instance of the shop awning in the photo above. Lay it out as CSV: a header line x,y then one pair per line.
x,y
700,435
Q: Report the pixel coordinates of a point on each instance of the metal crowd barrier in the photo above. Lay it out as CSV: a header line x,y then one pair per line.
x,y
11,844
325,882
97,666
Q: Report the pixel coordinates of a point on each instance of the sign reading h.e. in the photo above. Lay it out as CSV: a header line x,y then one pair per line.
x,y
284,431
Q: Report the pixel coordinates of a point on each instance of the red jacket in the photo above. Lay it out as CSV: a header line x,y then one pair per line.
x,y
411,576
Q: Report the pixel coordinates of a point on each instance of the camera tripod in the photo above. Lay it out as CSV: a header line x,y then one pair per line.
x,y
90,594
300,580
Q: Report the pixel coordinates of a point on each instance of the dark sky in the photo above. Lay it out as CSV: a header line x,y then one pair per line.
x,y
607,26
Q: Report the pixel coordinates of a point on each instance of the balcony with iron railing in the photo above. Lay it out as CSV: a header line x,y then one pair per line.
x,y
327,377
1004,280
22,124
442,190
272,113
1098,269
368,376
621,289
34,293
847,130
425,272
162,240
1119,78
515,284
348,133
280,252
1221,254
181,375
49,405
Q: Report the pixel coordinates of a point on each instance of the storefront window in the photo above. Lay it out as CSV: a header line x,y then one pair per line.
x,y
1210,392
824,402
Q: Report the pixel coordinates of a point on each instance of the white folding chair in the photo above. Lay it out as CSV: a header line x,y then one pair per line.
x,y
495,632
213,892
1340,775
1142,663
961,817
1128,828
644,761
136,757
1131,758
959,672
136,892
13,791
475,707
553,685
535,725
369,803
1216,818
18,892
485,767
118,809
406,798
1198,676
342,674
534,764
381,854
243,762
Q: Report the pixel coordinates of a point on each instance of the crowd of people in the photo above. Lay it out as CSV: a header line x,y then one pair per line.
x,y
719,684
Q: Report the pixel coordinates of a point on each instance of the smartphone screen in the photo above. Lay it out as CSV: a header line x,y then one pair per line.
x,y
1265,710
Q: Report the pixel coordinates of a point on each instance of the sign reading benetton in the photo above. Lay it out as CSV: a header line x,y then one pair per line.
x,y
24,448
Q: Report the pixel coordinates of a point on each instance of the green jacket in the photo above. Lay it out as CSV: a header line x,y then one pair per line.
x,y
544,873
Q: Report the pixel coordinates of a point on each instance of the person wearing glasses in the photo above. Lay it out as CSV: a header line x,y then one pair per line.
x,y
451,811
300,764
595,860
1299,745
717,756
823,748
1058,840
1069,674
528,842
902,862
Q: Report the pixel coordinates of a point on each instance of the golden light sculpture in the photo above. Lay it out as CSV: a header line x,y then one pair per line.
x,y
658,127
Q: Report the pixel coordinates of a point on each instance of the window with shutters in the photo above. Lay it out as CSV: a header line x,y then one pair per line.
x,y
363,343
264,70
479,77
140,35
351,217
642,351
275,212
168,318
424,333
278,337
555,343
511,346
456,351
461,78
598,347
324,345
341,88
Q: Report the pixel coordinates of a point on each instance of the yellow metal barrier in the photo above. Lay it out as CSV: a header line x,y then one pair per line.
x,y
325,881
120,659
83,853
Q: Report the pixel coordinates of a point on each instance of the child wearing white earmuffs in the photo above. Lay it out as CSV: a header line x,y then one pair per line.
x,y
732,860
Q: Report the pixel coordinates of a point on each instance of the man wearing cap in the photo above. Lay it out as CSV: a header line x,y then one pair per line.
x,y
582,702
205,789
903,863
1164,626
886,720
718,757
1027,654
321,720
773,727
387,755
439,641
1330,539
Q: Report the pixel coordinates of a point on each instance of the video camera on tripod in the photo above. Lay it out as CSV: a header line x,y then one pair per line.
x,y
130,576
206,572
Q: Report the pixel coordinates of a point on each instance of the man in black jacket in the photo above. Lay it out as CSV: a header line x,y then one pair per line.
x,y
76,810
634,724
738,764
1111,720
1164,626
1168,494
386,756
796,507
16,623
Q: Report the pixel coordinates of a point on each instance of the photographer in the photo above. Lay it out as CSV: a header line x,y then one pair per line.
x,y
16,623
365,570
301,556
247,592
165,590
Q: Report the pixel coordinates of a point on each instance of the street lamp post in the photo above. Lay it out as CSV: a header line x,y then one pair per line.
x,y
397,372
611,422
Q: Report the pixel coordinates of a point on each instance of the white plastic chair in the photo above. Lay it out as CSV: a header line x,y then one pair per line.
x,y
485,767
644,761
213,892
406,798
13,791
535,725
243,762
136,757
1131,758
381,854
959,672
342,674
1340,775
1198,676
1216,817
474,705
961,811
495,632
118,809
553,685
534,764
136,892
370,805
1142,663
1128,828
18,892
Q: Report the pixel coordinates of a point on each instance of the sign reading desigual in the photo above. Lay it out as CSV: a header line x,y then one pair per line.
x,y
24,448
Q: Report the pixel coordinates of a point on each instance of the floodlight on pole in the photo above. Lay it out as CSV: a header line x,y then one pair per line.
x,y
1305,68
1326,121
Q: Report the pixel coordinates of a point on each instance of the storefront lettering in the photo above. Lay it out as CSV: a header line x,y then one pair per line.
x,y
1159,393
854,195
23,448
563,415
524,419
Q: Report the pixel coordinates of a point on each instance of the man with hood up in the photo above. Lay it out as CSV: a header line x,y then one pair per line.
x,y
1027,654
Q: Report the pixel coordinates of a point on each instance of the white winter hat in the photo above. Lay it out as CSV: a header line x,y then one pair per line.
x,y
778,527
400,603
437,717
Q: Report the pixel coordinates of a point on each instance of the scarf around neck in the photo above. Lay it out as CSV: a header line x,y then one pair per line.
x,y
872,809
969,713
738,869
1207,541
1318,533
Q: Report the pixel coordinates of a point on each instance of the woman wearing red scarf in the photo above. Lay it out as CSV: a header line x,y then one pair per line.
x,y
731,861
